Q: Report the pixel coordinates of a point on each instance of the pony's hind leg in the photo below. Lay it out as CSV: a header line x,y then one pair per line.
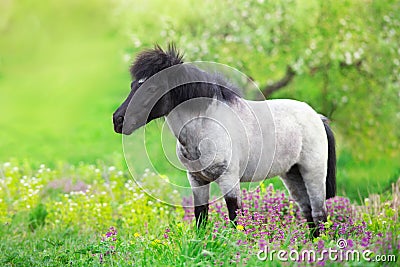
x,y
201,195
314,181
295,184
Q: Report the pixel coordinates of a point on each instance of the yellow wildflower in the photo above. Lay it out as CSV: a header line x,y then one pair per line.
x,y
136,235
156,242
240,227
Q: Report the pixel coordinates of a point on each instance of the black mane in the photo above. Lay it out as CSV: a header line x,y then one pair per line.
x,y
150,62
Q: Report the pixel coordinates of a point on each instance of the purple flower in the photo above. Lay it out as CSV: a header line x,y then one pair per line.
x,y
111,232
365,241
272,219
350,243
321,244
262,243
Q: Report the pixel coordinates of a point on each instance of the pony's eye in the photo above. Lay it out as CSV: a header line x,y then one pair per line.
x,y
142,80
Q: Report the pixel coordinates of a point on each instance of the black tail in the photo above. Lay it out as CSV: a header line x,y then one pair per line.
x,y
331,174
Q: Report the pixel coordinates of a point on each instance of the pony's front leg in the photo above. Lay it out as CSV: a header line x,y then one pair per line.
x,y
230,188
201,195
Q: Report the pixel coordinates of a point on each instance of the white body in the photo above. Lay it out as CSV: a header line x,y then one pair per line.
x,y
250,141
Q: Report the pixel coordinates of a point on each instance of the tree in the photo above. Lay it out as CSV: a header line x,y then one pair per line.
x,y
342,57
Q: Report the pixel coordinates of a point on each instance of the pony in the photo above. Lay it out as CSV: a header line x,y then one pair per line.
x,y
224,138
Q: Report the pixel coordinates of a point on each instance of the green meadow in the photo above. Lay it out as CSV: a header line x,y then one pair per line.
x,y
64,70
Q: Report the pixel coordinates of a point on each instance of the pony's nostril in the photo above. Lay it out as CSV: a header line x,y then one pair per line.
x,y
120,119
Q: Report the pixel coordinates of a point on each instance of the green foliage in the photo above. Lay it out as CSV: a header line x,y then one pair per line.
x,y
63,71
89,197
72,223
345,55
37,216
381,212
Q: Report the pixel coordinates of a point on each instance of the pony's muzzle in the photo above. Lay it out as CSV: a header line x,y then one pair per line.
x,y
118,123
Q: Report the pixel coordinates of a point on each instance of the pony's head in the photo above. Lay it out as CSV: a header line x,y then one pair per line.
x,y
147,63
154,96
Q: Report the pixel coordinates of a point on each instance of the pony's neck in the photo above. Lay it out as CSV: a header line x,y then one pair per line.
x,y
189,114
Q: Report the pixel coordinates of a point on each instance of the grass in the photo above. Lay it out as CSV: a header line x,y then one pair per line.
x,y
96,215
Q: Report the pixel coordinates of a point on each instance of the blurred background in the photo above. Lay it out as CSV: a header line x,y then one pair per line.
x,y
64,70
